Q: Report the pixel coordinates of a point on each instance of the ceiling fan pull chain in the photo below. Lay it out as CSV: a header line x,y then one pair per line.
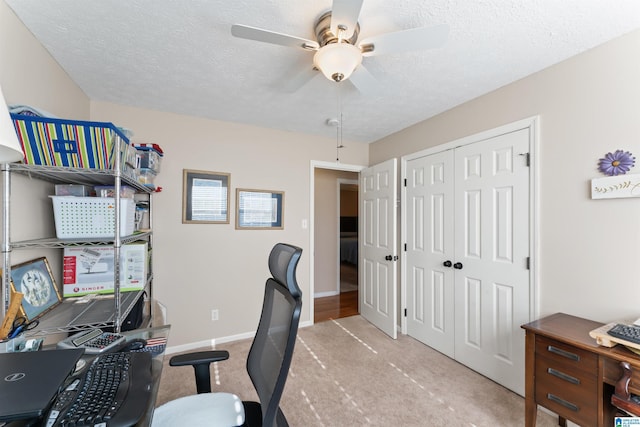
x,y
339,128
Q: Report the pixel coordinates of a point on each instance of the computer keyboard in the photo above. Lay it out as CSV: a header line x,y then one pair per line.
x,y
113,391
629,333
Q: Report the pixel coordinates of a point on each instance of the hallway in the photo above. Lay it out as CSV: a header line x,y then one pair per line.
x,y
345,303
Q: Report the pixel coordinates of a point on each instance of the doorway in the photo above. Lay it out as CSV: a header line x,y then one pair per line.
x,y
335,215
348,192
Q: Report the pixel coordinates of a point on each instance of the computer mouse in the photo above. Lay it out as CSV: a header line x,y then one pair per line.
x,y
80,364
134,345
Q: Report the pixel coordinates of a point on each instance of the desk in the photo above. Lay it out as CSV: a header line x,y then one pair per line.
x,y
567,372
156,371
156,367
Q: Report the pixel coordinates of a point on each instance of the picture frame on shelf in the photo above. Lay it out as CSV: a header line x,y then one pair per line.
x,y
35,281
259,209
205,197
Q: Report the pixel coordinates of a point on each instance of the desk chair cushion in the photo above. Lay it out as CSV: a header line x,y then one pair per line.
x,y
197,410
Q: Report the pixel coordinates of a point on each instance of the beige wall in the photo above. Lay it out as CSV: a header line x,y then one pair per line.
x,y
28,75
197,267
589,261
327,228
200,267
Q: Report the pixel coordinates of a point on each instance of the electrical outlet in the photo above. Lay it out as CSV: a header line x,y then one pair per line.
x,y
214,315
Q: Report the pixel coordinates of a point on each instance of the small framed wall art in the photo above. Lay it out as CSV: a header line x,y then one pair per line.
x,y
35,281
259,209
205,197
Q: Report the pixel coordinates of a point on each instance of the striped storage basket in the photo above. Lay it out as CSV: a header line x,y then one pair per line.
x,y
70,143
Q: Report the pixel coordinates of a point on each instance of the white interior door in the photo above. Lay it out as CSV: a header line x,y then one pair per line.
x,y
378,246
429,252
491,256
467,228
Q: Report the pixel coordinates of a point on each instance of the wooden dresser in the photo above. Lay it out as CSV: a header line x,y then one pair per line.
x,y
568,373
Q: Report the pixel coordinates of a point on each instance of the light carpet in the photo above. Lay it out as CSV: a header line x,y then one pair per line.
x,y
346,372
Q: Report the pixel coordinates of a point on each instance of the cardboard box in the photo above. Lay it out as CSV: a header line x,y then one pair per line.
x,y
89,269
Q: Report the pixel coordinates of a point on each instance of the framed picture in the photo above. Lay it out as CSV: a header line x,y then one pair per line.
x,y
35,281
205,197
259,209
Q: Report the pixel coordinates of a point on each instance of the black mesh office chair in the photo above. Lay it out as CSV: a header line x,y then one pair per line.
x,y
267,363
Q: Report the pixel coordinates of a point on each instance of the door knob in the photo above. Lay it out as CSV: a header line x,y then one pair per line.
x,y
447,263
389,258
457,266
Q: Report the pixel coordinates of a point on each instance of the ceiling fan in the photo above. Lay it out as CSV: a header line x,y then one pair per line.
x,y
338,53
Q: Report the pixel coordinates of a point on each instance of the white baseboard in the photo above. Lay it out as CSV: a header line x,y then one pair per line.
x,y
217,341
326,294
208,343
188,347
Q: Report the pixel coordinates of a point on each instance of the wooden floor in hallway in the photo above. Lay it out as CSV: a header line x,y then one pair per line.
x,y
334,307
345,303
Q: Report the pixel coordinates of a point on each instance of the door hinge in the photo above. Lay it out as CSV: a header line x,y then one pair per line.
x,y
405,247
405,312
527,158
405,182
528,263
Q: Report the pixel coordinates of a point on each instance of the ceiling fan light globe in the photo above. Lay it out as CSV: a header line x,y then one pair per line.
x,y
337,61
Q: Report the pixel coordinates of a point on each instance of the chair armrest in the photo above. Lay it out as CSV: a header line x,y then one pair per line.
x,y
199,357
200,360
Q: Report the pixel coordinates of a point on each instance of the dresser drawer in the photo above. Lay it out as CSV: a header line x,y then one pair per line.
x,y
566,380
566,356
569,393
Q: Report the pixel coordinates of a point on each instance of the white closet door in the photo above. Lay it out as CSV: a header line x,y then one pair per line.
x,y
492,249
430,254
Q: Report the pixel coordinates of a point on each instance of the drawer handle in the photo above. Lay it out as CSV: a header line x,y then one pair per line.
x,y
563,376
563,402
563,353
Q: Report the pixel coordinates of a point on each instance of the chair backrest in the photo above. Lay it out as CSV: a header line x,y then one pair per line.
x,y
272,348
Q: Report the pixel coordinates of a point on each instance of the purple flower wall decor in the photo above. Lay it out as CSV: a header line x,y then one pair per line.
x,y
617,163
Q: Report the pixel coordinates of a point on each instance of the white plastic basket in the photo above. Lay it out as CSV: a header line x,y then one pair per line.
x,y
80,217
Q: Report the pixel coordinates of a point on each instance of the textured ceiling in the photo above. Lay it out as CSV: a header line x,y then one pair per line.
x,y
179,56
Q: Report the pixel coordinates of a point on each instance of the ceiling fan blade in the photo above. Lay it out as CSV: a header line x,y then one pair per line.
x,y
405,41
364,81
345,12
300,79
266,36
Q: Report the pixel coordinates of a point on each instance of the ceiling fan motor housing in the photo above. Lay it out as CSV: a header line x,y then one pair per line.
x,y
324,34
